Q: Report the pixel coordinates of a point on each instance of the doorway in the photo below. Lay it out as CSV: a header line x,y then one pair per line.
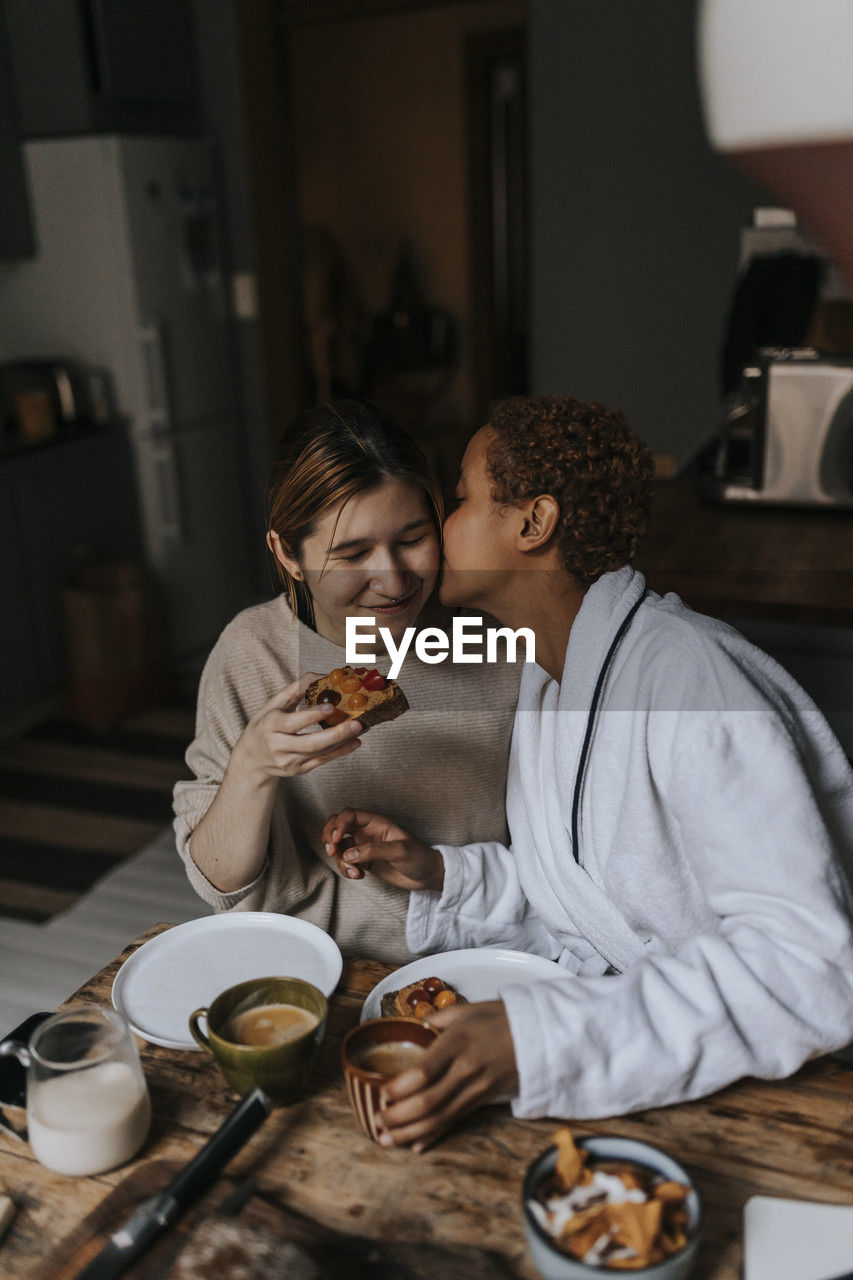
x,y
496,76
406,126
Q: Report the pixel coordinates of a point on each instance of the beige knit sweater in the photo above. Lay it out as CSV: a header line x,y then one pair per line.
x,y
439,770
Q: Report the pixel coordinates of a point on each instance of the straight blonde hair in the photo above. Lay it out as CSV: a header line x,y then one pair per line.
x,y
326,456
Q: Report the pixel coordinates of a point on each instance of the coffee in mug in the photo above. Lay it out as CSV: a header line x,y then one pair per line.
x,y
373,1052
269,1024
390,1059
264,1034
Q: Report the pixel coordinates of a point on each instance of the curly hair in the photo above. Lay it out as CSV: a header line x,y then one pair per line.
x,y
589,460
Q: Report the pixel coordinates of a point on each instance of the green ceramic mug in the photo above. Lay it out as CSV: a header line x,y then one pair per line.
x,y
281,1070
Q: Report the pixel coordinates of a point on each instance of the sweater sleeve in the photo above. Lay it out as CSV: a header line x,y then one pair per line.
x,y
220,719
482,904
772,987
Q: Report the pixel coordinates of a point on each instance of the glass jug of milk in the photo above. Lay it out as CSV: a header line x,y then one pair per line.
x,y
87,1102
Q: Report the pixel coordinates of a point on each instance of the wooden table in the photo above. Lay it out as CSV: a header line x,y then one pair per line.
x,y
775,563
793,1138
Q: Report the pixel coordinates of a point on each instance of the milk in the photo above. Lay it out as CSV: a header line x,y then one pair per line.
x,y
89,1120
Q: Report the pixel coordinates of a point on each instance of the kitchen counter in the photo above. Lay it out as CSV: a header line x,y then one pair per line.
x,y
59,502
12,446
766,563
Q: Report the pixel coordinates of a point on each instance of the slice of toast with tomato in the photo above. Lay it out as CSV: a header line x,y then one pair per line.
x,y
357,693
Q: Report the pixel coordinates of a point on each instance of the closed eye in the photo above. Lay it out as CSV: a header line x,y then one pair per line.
x,y
404,542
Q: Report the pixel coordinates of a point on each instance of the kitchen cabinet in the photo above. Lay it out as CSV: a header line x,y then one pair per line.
x,y
16,235
20,678
56,503
103,66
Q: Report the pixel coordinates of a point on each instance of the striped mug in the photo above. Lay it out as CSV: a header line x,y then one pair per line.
x,y
373,1053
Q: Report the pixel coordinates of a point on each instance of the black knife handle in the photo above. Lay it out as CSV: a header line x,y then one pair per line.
x,y
130,1241
156,1214
204,1168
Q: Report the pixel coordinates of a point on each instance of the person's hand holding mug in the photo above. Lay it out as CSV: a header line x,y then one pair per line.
x,y
471,1064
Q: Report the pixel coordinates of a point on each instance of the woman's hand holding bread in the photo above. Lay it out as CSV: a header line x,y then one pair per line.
x,y
229,845
274,743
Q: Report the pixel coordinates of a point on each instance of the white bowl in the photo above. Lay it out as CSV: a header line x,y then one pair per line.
x,y
554,1264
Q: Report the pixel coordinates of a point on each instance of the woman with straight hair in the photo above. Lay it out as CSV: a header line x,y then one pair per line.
x,y
355,528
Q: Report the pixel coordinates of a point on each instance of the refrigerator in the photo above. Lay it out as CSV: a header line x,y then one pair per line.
x,y
128,278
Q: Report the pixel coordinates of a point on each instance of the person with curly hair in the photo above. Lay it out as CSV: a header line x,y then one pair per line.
x,y
678,808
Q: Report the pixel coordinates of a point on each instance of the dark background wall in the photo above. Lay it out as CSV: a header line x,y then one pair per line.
x,y
221,102
634,219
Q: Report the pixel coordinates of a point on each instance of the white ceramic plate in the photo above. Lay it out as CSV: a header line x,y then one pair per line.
x,y
160,985
478,974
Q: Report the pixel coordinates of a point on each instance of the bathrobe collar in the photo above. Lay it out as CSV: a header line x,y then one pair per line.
x,y
547,750
605,606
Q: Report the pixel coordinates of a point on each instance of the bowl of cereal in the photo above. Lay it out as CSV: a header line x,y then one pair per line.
x,y
603,1205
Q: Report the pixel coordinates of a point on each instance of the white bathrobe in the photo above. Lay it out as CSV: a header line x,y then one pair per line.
x,y
706,929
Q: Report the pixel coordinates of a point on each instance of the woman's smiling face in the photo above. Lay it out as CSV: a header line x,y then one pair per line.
x,y
376,556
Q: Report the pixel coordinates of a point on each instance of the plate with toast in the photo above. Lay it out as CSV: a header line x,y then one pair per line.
x,y
477,973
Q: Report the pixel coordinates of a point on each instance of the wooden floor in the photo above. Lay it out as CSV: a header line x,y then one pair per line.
x,y
87,853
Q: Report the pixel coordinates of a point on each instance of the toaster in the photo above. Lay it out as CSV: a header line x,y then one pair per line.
x,y
788,435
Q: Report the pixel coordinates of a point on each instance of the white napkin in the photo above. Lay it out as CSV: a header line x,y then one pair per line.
x,y
796,1239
